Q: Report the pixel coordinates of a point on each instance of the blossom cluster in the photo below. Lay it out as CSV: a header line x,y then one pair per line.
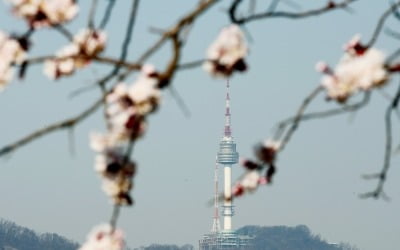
x,y
227,53
42,13
254,176
104,237
86,44
360,69
12,51
126,108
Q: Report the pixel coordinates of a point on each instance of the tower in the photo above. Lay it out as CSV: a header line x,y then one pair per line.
x,y
227,156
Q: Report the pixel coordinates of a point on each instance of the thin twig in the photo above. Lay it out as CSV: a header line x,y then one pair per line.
x,y
179,100
114,217
189,18
126,42
273,5
67,123
99,59
64,32
191,65
173,32
381,22
297,118
107,14
391,58
277,14
381,176
327,113
92,13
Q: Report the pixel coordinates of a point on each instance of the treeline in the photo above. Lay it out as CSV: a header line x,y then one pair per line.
x,y
273,238
14,237
288,238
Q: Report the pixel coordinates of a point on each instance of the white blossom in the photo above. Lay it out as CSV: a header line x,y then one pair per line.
x,y
11,52
26,8
144,92
63,64
60,11
103,237
86,44
41,13
226,54
118,100
91,42
250,180
110,163
354,45
273,144
360,69
126,111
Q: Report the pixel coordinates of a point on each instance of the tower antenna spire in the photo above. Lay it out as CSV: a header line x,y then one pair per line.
x,y
216,226
227,130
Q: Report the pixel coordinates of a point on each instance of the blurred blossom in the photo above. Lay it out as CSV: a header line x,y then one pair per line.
x,y
128,106
126,110
250,180
249,165
144,92
227,53
360,69
103,237
266,151
354,46
60,11
114,169
41,13
86,44
237,190
11,52
91,42
63,64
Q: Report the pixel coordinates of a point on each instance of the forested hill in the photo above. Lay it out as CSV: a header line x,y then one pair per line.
x,y
273,238
288,238
14,237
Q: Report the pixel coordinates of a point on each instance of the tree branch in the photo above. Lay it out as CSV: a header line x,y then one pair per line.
x,y
327,113
67,123
297,117
107,14
276,14
381,22
92,13
381,176
174,30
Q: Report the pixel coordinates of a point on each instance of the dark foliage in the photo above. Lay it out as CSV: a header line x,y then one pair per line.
x,y
288,238
14,237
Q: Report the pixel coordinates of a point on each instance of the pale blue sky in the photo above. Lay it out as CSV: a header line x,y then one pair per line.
x,y
44,188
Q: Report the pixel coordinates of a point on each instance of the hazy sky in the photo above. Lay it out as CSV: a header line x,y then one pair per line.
x,y
44,187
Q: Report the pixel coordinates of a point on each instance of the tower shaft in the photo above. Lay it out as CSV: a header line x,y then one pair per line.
x,y
228,208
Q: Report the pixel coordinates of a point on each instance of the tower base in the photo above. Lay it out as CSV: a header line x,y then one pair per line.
x,y
224,240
